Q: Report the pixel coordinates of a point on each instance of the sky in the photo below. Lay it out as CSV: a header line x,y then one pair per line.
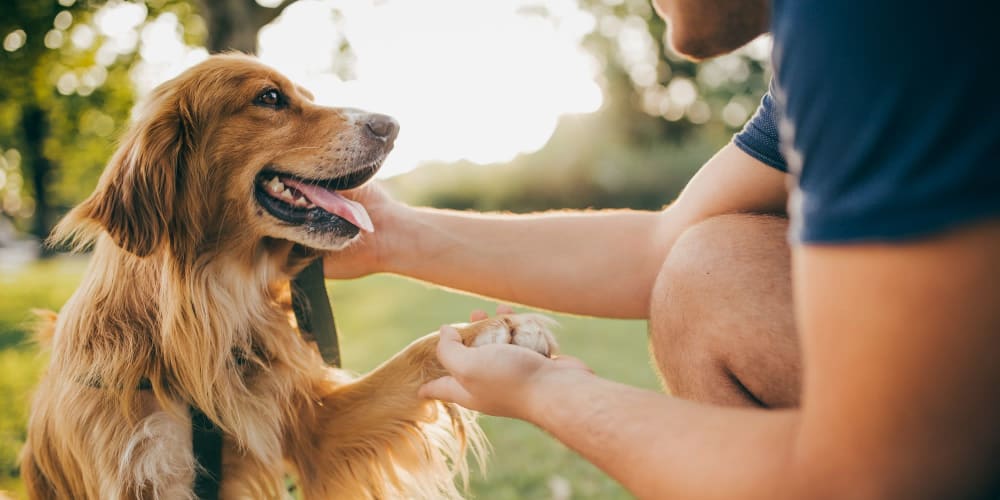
x,y
478,80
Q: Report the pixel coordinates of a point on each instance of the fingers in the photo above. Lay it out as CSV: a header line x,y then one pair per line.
x,y
364,191
446,389
479,314
454,356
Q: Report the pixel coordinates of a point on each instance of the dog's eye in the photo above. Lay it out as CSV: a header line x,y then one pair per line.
x,y
271,98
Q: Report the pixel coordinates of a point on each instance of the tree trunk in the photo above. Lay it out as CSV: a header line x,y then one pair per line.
x,y
233,24
36,127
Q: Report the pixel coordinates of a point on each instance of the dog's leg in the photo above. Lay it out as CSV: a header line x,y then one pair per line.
x,y
375,438
80,445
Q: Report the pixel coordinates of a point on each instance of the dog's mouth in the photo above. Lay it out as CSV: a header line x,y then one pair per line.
x,y
315,203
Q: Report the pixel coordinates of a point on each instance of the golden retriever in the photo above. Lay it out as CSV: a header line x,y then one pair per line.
x,y
224,188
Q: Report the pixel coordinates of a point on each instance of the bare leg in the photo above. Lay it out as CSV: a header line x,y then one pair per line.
x,y
721,322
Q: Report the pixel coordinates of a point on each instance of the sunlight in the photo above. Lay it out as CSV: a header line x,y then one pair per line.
x,y
477,80
467,79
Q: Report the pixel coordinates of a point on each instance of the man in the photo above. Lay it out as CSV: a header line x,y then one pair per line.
x,y
891,131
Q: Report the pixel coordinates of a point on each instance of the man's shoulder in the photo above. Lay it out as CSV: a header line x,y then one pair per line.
x,y
888,116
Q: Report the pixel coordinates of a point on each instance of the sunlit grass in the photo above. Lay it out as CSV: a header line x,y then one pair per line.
x,y
377,316
44,285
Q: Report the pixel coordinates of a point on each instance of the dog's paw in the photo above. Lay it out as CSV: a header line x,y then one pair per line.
x,y
525,330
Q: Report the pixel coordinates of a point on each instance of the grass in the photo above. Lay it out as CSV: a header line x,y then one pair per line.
x,y
377,316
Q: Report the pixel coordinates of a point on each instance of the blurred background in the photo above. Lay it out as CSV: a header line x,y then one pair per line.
x,y
520,106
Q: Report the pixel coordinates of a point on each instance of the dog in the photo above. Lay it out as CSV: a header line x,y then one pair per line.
x,y
222,190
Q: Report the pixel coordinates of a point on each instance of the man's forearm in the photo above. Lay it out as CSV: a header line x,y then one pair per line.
x,y
595,263
659,446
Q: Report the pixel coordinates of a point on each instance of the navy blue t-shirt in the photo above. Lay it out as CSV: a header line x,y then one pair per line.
x,y
759,137
888,115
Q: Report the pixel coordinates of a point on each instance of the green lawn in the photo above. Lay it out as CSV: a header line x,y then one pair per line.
x,y
377,316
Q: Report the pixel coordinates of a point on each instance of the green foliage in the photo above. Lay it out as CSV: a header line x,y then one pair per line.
x,y
662,118
45,286
586,164
377,317
79,103
21,371
65,96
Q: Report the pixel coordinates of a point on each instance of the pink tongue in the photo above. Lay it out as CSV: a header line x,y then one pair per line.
x,y
332,202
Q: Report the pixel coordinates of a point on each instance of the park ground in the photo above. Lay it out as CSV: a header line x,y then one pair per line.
x,y
377,317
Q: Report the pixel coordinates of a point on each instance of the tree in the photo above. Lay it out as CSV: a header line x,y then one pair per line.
x,y
65,95
662,117
29,98
233,24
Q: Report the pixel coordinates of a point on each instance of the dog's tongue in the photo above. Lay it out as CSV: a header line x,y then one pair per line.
x,y
333,202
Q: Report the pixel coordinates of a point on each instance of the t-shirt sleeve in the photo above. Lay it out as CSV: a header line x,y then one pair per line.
x,y
759,137
893,134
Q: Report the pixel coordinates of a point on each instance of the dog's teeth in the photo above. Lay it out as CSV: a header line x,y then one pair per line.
x,y
275,185
311,205
286,194
301,201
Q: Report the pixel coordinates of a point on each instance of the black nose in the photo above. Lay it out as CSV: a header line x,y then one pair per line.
x,y
383,127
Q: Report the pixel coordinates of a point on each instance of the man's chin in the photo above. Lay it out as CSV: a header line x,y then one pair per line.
x,y
698,47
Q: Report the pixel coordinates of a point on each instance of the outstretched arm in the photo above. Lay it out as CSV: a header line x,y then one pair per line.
x,y
900,399
596,263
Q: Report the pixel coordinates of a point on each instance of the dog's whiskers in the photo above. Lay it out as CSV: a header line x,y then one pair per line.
x,y
299,148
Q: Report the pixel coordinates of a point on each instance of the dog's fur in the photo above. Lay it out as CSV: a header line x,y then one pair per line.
x,y
188,287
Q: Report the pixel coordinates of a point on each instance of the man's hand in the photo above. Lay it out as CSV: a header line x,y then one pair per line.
x,y
365,256
510,257
498,379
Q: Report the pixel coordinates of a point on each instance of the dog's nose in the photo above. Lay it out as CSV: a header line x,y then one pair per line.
x,y
382,127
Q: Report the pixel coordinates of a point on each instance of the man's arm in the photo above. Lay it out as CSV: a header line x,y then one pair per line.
x,y
900,400
596,263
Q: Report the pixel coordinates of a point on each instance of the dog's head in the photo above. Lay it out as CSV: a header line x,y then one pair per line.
x,y
232,151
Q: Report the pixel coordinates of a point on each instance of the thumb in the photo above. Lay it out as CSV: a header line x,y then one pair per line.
x,y
446,389
504,309
452,353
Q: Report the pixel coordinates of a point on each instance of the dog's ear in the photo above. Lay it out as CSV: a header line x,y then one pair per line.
x,y
136,196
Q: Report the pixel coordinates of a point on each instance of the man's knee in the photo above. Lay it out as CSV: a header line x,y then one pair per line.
x,y
721,286
718,262
727,248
